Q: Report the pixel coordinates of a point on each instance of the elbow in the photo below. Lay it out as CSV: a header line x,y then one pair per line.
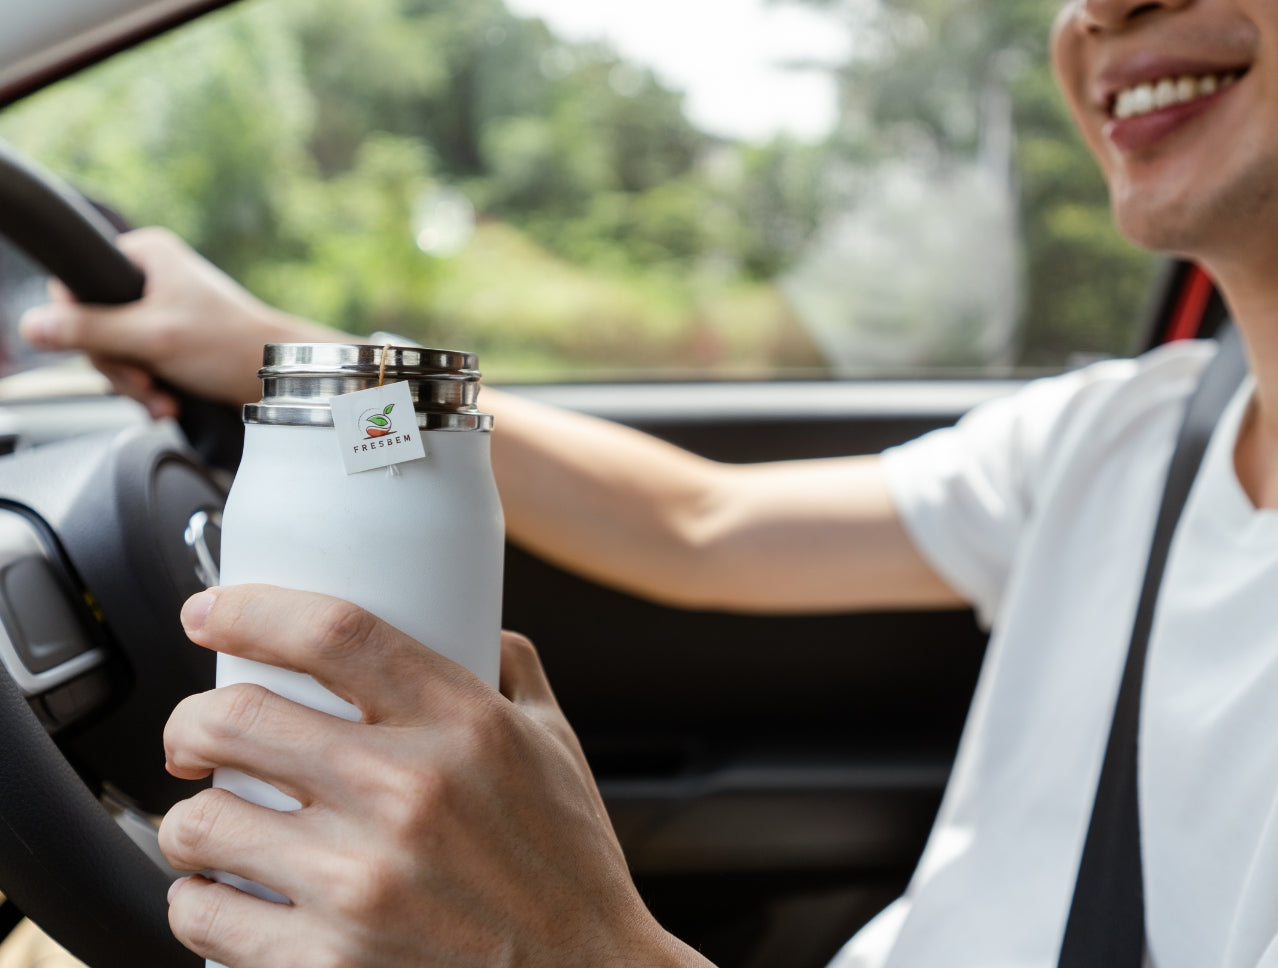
x,y
695,572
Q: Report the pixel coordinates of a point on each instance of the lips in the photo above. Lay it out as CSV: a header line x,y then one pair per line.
x,y
1147,103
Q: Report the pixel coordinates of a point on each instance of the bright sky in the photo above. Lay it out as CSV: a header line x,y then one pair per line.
x,y
726,55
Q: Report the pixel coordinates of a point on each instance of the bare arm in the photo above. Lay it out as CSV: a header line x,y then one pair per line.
x,y
634,512
608,502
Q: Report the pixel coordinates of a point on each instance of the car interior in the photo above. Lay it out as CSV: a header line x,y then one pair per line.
x,y
772,779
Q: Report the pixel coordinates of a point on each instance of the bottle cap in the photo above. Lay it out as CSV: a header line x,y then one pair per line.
x,y
299,380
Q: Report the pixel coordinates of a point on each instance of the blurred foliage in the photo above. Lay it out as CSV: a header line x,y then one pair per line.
x,y
298,143
1085,286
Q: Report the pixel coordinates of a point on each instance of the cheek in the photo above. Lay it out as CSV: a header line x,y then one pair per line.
x,y
1101,152
1069,65
1068,70
1059,40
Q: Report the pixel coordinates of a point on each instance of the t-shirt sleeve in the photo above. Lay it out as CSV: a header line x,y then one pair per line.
x,y
966,493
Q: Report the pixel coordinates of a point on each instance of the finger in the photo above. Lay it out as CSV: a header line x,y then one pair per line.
x,y
253,730
233,928
348,650
216,830
131,380
127,378
161,406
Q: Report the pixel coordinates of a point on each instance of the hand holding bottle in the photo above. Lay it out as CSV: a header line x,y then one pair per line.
x,y
454,825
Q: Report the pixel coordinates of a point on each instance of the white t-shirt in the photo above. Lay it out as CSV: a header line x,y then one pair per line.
x,y
1040,508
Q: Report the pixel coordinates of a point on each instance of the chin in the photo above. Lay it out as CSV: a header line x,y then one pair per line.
x,y
1157,237
1159,231
1238,216
1193,228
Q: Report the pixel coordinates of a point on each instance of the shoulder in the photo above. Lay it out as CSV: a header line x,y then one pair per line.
x,y
1134,386
967,494
1085,411
1105,408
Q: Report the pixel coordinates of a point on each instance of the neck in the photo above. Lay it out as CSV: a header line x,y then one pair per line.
x,y
1252,299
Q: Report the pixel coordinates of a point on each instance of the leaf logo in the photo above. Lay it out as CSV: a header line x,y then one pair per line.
x,y
377,423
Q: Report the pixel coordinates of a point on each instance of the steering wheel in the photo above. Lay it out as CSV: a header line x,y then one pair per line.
x,y
101,540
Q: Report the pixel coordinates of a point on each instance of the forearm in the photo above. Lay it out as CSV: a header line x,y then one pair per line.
x,y
813,536
600,499
636,513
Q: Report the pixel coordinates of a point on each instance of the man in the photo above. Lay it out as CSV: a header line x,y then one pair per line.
x,y
456,827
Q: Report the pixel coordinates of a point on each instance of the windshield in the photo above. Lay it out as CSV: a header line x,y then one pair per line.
x,y
576,190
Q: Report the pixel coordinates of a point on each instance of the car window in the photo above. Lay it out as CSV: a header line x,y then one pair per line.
x,y
577,190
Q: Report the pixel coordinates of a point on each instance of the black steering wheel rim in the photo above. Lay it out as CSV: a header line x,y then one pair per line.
x,y
63,859
67,864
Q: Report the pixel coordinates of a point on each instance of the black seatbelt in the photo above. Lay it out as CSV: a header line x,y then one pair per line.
x,y
1106,927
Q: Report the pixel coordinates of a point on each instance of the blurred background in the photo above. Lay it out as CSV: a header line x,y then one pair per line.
x,y
720,189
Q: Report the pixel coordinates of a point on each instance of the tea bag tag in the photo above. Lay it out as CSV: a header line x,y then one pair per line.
x,y
377,427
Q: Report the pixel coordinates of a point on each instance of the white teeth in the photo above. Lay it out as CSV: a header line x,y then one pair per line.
x,y
1134,100
1147,97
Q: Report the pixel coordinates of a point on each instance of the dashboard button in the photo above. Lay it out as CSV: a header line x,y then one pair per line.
x,y
39,615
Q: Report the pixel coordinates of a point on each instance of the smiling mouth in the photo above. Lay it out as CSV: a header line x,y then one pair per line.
x,y
1150,96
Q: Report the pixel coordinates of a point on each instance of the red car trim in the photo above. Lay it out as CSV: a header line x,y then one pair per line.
x,y
1191,305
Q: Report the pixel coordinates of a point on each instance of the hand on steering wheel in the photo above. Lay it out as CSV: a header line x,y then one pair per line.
x,y
192,327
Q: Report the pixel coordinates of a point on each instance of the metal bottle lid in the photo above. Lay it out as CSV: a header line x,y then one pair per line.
x,y
299,379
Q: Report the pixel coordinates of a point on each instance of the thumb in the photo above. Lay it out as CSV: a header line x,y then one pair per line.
x,y
58,292
524,683
100,330
523,680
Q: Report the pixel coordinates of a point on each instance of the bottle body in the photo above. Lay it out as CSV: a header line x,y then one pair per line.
x,y
419,544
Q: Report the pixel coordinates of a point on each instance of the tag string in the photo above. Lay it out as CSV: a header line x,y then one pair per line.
x,y
381,373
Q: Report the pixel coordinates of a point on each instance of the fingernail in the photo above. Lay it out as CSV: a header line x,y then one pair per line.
x,y
173,888
42,326
196,610
161,406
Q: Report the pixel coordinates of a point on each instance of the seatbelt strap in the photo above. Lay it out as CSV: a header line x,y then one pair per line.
x,y
1106,925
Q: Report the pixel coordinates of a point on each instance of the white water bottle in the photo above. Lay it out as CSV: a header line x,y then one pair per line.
x,y
417,541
